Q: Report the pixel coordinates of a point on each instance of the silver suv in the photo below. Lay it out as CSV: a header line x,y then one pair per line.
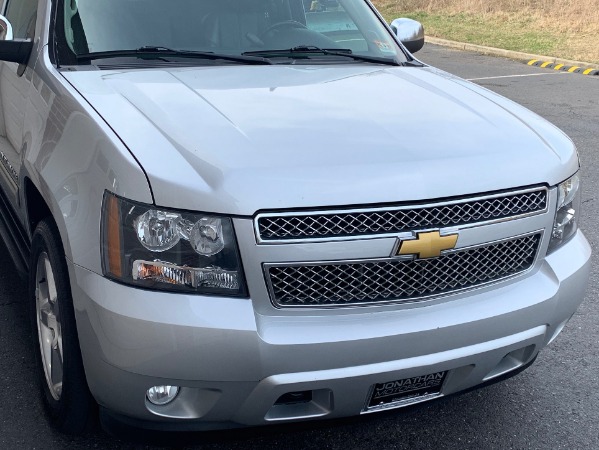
x,y
245,212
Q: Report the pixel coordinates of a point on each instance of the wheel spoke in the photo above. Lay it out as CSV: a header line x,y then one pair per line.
x,y
52,294
46,316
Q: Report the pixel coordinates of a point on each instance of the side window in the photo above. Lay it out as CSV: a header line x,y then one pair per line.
x,y
22,15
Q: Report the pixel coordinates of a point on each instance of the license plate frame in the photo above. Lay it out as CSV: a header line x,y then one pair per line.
x,y
405,391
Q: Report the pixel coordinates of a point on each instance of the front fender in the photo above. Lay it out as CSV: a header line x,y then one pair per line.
x,y
72,156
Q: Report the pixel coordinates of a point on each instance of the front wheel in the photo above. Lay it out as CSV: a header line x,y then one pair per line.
x,y
64,388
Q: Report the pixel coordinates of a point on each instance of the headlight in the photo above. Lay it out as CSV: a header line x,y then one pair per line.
x,y
567,214
158,248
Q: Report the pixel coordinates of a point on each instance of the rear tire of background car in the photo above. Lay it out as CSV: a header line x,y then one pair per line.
x,y
71,407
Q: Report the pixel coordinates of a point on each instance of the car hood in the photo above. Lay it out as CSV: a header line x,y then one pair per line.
x,y
239,139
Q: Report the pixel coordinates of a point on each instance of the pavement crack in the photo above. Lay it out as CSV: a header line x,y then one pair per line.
x,y
9,303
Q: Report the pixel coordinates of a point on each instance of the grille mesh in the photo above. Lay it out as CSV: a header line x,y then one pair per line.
x,y
347,224
399,280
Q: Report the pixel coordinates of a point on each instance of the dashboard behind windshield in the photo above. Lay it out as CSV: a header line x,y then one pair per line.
x,y
225,26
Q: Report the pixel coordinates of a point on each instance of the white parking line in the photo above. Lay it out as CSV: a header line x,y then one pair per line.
x,y
519,76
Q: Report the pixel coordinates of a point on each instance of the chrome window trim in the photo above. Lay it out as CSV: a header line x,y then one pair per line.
x,y
419,300
458,201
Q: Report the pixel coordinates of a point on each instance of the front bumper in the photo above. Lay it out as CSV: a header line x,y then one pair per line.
x,y
233,361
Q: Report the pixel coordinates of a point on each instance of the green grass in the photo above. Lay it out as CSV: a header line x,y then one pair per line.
x,y
511,34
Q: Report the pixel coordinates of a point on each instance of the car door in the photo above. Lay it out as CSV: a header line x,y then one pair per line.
x,y
15,82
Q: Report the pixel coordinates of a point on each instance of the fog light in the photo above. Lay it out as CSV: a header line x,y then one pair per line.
x,y
162,395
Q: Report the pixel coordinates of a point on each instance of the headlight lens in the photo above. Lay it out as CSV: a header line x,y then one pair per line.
x,y
567,214
158,231
157,248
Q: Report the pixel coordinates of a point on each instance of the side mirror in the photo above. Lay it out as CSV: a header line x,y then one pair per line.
x,y
410,33
5,29
13,50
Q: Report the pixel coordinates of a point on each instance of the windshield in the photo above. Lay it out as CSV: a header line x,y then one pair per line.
x,y
231,27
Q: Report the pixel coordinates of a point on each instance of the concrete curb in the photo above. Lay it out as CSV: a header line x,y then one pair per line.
x,y
531,59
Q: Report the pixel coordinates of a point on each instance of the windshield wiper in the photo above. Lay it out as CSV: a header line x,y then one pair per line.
x,y
310,49
149,52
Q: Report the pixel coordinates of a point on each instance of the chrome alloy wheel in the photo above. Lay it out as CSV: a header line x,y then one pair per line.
x,y
48,325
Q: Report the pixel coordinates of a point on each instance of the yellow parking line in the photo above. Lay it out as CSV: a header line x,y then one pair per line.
x,y
573,68
532,61
545,64
558,67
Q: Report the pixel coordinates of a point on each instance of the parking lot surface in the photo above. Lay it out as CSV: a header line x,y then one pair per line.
x,y
554,404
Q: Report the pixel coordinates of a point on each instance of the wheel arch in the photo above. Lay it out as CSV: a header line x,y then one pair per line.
x,y
37,207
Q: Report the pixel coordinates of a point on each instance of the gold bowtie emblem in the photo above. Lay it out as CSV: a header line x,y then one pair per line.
x,y
427,245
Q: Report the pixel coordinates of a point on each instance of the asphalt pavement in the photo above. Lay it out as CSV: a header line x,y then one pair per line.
x,y
554,404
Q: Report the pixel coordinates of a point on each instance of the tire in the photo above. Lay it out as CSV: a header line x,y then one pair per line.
x,y
69,403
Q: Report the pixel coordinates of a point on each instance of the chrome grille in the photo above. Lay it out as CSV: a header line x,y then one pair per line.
x,y
391,280
322,225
